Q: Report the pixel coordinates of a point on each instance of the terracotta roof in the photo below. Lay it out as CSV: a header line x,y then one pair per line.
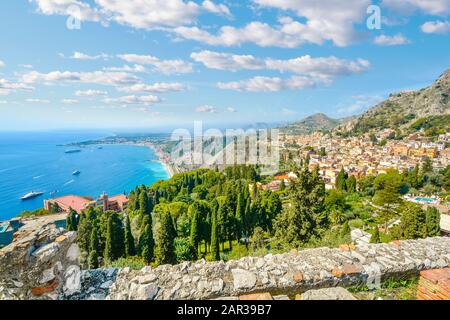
x,y
120,198
77,203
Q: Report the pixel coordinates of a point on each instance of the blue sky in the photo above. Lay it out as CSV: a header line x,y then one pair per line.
x,y
160,63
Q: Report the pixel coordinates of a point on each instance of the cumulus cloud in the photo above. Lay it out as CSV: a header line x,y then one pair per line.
x,y
322,66
83,56
6,87
163,66
219,9
133,99
75,8
90,93
139,14
160,87
268,84
126,68
95,77
231,110
206,109
437,27
432,7
227,61
395,40
2,64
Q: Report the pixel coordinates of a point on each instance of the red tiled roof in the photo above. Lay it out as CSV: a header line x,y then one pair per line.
x,y
77,203
120,198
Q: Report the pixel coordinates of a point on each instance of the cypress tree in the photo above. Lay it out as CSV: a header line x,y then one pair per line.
x,y
195,227
69,225
165,251
144,205
146,241
115,244
433,221
93,260
130,249
240,217
341,179
215,250
351,184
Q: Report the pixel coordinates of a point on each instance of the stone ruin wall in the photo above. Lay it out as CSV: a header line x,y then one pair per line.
x,y
42,263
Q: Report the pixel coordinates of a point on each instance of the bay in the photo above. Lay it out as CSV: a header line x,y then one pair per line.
x,y
38,162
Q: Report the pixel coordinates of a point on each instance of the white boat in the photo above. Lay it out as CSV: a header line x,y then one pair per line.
x,y
31,195
76,172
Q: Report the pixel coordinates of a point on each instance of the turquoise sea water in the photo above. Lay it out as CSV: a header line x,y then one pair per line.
x,y
38,162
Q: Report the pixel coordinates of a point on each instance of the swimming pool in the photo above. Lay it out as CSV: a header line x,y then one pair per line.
x,y
424,199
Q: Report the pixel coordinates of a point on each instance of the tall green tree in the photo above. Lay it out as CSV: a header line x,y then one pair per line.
x,y
146,241
215,250
433,221
350,184
93,261
305,217
115,238
413,221
341,179
165,252
195,229
130,248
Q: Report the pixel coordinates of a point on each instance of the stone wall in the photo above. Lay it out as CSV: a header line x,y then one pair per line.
x,y
42,264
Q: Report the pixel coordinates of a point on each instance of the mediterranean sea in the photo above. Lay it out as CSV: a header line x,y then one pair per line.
x,y
39,162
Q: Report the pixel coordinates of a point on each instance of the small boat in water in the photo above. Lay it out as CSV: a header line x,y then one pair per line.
x,y
31,195
72,151
76,173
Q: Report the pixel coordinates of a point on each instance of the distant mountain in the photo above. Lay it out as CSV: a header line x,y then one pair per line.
x,y
316,122
402,110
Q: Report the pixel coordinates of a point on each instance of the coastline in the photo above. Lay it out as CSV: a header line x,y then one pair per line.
x,y
162,157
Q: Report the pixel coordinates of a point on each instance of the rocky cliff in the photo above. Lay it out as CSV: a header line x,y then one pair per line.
x,y
41,263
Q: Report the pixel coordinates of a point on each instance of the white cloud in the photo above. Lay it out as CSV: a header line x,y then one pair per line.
x,y
82,56
219,9
322,69
6,87
26,66
75,8
227,61
206,109
432,7
126,68
90,93
267,84
232,110
160,87
3,102
133,99
70,101
438,27
162,66
2,64
287,34
395,40
140,14
95,77
37,100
